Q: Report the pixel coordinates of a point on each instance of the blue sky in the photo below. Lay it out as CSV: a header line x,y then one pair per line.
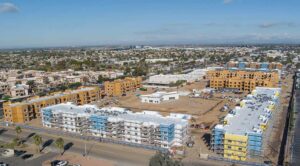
x,y
38,23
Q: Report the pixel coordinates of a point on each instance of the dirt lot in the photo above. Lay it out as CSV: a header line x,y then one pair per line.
x,y
185,104
274,140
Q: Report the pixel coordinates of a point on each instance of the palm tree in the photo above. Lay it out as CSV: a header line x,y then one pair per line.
x,y
18,130
162,159
59,143
38,141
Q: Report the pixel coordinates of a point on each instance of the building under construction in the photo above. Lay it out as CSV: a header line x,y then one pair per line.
x,y
244,80
120,87
243,131
21,112
147,127
254,65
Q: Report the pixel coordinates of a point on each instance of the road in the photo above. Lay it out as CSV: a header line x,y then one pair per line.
x,y
118,154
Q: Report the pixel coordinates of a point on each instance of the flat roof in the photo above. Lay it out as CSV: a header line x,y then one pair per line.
x,y
159,94
247,119
118,112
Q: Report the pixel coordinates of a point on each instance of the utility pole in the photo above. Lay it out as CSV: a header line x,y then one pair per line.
x,y
85,137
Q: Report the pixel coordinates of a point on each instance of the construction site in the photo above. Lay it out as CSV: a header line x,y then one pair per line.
x,y
207,108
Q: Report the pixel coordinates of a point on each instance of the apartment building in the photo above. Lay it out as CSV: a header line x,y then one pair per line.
x,y
19,90
243,80
4,88
122,86
147,127
254,65
245,129
26,111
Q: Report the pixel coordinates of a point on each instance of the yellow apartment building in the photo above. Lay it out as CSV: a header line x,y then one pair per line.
x,y
243,80
235,146
122,86
242,135
22,112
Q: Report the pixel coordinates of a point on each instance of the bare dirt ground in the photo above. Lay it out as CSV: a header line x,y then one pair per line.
x,y
274,141
185,104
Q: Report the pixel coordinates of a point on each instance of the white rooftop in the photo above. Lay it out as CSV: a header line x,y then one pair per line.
x,y
159,94
119,113
255,111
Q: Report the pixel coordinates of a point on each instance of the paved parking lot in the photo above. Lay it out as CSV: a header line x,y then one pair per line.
x,y
14,161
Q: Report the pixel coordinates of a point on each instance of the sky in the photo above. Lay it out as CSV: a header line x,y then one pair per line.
x,y
50,23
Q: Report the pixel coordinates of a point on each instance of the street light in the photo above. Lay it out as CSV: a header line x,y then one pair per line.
x,y
84,154
84,131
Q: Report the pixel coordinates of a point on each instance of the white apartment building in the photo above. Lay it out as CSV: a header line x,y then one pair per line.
x,y
147,127
73,79
19,90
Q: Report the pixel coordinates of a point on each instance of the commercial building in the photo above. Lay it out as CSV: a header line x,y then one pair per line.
x,y
243,80
254,65
25,111
147,127
159,97
244,129
165,80
122,86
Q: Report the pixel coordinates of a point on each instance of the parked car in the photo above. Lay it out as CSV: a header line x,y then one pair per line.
x,y
3,164
59,163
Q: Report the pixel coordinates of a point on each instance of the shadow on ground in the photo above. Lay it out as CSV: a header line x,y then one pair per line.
x,y
206,138
2,131
68,146
47,143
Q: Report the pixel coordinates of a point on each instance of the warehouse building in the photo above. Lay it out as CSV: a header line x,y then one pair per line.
x,y
159,97
147,127
166,80
22,112
243,131
122,86
243,80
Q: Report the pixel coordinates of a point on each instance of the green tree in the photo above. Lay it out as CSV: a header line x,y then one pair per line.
x,y
6,97
38,141
127,71
32,86
18,130
75,85
161,159
100,79
59,143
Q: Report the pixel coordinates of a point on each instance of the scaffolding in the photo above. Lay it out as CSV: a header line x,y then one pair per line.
x,y
147,127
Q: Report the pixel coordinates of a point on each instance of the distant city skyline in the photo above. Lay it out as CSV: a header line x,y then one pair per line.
x,y
55,23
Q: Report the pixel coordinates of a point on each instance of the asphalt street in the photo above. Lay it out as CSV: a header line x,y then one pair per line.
x,y
120,155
